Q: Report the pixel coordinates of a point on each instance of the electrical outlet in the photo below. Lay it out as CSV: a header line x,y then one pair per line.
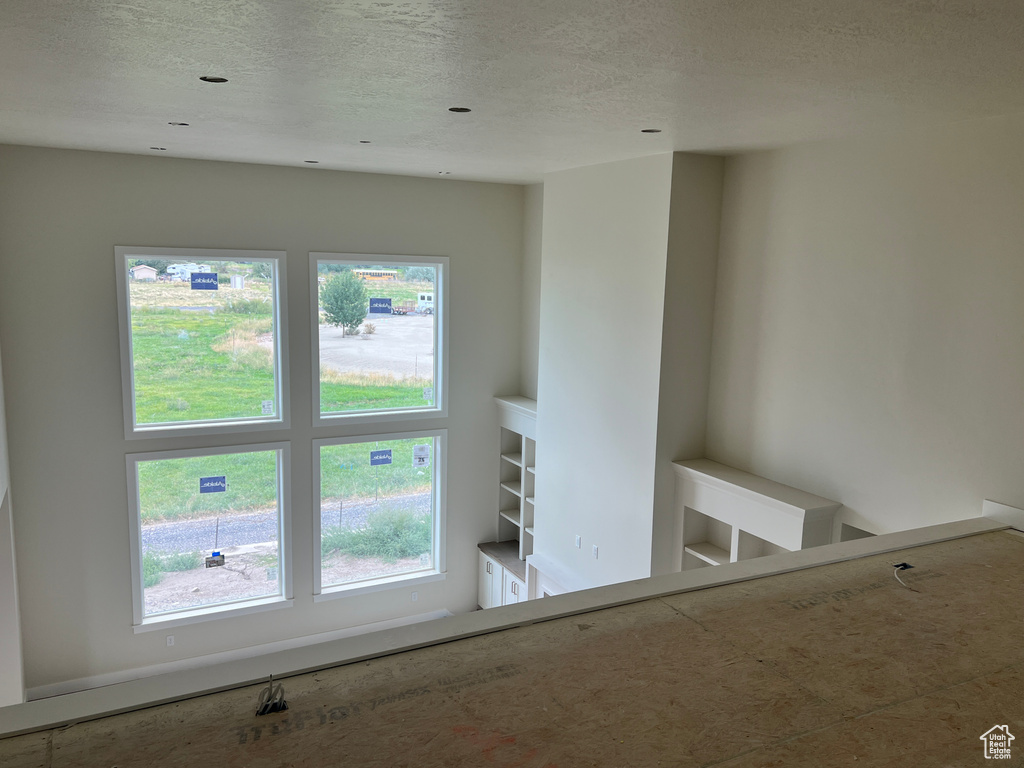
x,y
170,640
595,551
579,542
415,596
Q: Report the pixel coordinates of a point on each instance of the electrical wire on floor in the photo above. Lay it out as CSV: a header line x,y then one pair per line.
x,y
897,567
271,699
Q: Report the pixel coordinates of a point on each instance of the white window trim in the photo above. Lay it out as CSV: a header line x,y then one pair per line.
x,y
440,407
414,579
439,468
132,431
218,610
235,608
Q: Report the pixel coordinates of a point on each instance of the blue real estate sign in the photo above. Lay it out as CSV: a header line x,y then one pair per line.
x,y
379,458
204,281
213,484
380,306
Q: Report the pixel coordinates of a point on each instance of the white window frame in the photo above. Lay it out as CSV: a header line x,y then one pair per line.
x,y
438,468
440,407
143,623
132,430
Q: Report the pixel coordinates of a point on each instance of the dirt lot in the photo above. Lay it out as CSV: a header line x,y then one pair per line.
x,y
402,345
250,571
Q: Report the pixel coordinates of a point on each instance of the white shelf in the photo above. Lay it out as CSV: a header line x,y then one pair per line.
x,y
517,451
708,552
513,487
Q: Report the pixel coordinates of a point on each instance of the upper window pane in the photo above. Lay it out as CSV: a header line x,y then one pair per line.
x,y
202,338
378,335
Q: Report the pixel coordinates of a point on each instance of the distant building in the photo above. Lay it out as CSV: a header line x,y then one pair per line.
x,y
143,272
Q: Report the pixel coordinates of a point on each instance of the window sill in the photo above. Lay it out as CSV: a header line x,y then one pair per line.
x,y
378,585
360,417
211,427
211,612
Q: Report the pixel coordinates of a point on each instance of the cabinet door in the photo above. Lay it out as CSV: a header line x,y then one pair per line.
x,y
490,582
514,590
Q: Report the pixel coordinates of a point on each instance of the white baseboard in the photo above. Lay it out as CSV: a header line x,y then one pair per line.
x,y
124,676
1003,513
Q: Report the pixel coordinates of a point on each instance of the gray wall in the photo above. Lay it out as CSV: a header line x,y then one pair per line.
x,y
533,221
61,214
11,679
869,322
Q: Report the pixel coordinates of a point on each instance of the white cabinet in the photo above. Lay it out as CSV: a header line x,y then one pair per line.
x,y
514,590
502,575
491,585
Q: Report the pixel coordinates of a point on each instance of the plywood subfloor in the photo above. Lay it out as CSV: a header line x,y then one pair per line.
x,y
834,666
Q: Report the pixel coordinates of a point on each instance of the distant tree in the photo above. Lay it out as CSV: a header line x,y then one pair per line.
x,y
334,268
344,301
420,273
261,269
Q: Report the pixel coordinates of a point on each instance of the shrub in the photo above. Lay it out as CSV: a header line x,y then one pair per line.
x,y
389,534
151,572
155,565
248,306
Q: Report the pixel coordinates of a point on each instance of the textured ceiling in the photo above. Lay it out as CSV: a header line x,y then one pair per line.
x,y
553,84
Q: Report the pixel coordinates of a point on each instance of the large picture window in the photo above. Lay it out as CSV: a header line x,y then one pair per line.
x,y
380,503
210,531
201,340
378,332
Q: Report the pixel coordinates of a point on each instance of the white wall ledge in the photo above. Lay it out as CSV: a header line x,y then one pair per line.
x,y
186,683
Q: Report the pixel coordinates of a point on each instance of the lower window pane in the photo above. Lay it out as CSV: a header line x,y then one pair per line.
x,y
377,510
210,530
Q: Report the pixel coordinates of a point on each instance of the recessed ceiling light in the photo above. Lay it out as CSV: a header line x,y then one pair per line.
x,y
183,125
459,109
209,79
159,149
311,162
650,130
364,142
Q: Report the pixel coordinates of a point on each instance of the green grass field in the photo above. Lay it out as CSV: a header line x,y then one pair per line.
x,y
193,364
352,392
345,470
169,488
197,365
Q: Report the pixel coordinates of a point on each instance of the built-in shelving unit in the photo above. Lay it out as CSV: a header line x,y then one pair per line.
x,y
727,515
517,419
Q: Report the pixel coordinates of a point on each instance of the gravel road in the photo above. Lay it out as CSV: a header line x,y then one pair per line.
x,y
258,527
